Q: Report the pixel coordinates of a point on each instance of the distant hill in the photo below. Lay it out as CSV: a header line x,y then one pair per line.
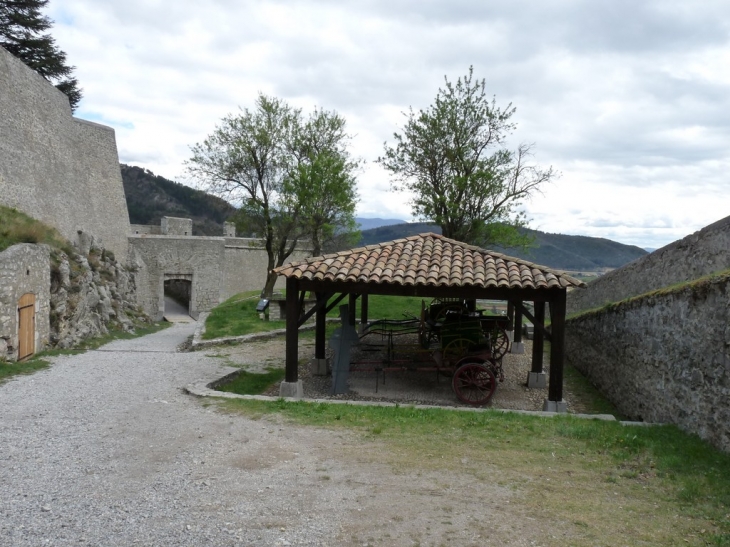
x,y
151,197
563,252
370,223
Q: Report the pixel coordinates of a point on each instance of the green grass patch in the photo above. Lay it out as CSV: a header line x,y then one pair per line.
x,y
17,227
625,485
591,400
9,370
251,383
237,315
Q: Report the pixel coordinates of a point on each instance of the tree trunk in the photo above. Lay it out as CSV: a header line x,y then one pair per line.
x,y
316,244
269,287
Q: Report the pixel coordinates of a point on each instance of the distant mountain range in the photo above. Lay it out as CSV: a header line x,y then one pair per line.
x,y
558,251
370,223
150,197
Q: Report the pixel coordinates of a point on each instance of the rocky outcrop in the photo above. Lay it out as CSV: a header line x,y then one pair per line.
x,y
89,295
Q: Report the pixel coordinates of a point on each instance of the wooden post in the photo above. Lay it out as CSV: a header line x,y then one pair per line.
x,y
352,310
557,346
320,341
510,315
364,309
537,337
518,325
292,330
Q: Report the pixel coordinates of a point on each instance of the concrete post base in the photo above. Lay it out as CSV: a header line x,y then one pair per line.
x,y
517,348
510,335
536,380
291,389
319,366
555,406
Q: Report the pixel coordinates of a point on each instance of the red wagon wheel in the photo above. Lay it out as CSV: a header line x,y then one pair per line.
x,y
474,383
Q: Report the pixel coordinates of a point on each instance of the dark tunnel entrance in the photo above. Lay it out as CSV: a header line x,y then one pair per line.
x,y
178,293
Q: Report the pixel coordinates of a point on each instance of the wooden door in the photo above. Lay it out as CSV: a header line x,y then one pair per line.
x,y
26,326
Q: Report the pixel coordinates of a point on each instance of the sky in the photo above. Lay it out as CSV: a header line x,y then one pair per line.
x,y
628,100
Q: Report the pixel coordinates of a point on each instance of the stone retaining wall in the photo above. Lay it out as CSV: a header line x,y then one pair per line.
x,y
662,357
704,252
24,268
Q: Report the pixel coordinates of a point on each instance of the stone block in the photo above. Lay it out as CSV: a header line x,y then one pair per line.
x,y
319,366
518,348
291,389
560,407
536,380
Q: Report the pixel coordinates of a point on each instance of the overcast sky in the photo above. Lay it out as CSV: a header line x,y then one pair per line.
x,y
629,100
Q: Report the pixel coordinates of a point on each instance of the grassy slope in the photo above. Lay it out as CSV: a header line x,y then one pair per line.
x,y
17,227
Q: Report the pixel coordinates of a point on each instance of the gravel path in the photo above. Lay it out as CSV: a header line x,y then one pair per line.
x,y
104,448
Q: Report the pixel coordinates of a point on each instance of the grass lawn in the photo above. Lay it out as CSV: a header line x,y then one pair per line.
x,y
606,484
253,383
237,315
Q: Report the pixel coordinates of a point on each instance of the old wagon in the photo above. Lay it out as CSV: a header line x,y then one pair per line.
x,y
462,345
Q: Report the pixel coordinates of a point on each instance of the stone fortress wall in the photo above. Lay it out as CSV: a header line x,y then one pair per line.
x,y
661,351
56,168
65,172
216,267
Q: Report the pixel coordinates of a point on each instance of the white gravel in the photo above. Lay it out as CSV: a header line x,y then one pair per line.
x,y
103,448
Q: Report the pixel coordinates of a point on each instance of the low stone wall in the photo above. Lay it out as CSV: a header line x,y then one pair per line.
x,y
145,229
699,254
662,357
245,265
24,269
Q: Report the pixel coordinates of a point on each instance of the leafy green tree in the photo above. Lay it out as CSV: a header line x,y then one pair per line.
x,y
284,171
323,182
452,158
22,33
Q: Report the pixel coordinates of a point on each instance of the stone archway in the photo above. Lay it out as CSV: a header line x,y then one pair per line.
x,y
26,326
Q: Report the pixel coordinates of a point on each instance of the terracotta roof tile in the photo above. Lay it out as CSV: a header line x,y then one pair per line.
x,y
428,259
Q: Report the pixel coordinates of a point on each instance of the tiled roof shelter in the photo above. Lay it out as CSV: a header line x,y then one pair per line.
x,y
428,260
427,265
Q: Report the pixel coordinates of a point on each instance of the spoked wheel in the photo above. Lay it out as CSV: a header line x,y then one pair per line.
x,y
498,341
474,383
455,350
